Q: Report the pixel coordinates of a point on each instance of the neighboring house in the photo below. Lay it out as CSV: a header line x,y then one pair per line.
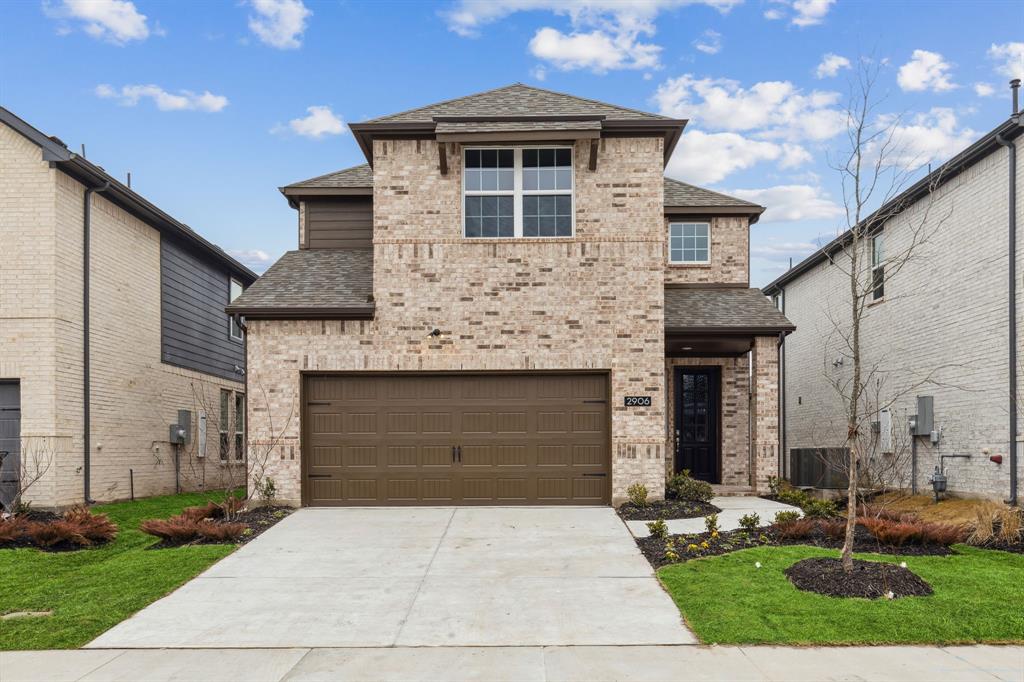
x,y
111,320
512,307
940,327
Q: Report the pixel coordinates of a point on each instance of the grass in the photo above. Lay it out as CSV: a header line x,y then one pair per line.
x,y
727,600
91,590
953,510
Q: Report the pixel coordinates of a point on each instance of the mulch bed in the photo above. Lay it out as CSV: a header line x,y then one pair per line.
x,y
869,579
1015,547
666,509
692,546
43,516
258,519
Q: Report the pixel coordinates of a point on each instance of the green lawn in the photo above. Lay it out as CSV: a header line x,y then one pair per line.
x,y
727,600
91,590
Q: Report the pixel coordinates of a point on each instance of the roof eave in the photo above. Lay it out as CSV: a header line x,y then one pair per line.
x,y
767,330
300,313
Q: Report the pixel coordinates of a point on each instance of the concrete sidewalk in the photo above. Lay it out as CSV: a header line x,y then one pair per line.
x,y
729,519
527,664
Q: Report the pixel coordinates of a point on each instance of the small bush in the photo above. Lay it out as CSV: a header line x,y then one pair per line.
x,y
210,510
774,484
95,527
833,528
12,529
785,518
750,522
637,494
898,533
895,533
942,533
800,528
175,530
1010,525
711,523
266,489
56,533
658,529
231,506
820,509
688,489
984,528
221,532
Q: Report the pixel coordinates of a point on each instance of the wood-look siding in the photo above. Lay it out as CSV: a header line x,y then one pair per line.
x,y
195,330
339,223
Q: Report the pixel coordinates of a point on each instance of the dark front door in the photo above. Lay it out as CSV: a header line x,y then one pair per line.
x,y
697,416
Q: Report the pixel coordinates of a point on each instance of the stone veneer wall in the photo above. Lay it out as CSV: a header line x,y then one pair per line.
x,y
593,301
735,414
730,254
135,396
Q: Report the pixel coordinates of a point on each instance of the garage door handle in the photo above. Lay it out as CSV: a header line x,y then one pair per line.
x,y
318,402
601,475
318,475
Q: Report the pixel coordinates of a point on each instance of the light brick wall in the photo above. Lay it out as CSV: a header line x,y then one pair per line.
x,y
730,254
134,396
944,317
594,301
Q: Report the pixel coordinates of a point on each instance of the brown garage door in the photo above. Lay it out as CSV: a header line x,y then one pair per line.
x,y
425,439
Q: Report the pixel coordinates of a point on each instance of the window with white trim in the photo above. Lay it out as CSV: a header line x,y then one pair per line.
x,y
877,266
225,421
235,290
689,243
518,192
239,426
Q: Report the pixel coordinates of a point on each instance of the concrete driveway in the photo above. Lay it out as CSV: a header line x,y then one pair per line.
x,y
484,576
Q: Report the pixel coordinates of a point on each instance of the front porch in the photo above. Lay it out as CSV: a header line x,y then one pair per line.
x,y
722,385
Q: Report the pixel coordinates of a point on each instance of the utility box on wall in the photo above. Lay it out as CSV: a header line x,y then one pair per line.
x,y
924,424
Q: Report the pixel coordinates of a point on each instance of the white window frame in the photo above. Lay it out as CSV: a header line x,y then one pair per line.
x,y
238,442
232,324
224,426
877,263
518,192
680,224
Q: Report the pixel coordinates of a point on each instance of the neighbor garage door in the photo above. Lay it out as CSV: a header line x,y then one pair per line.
x,y
408,439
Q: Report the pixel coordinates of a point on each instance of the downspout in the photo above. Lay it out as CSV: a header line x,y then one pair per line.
x,y
1011,149
245,428
86,370
782,392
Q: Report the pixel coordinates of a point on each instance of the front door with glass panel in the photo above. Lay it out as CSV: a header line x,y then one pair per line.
x,y
697,442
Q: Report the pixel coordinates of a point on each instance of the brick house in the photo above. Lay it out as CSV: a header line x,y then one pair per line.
x,y
111,321
946,316
509,304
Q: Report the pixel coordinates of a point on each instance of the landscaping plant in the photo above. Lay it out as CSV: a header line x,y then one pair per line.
x,y
684,487
750,522
637,494
711,524
658,528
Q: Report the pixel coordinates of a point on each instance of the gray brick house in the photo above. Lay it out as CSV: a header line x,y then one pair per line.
x,y
509,304
949,315
111,321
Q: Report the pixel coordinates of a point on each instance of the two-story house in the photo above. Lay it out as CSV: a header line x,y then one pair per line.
x,y
111,321
509,304
940,324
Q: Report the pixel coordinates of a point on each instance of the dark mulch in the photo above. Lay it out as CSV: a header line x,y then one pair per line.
x,y
730,541
39,515
666,509
869,579
43,516
258,520
1015,547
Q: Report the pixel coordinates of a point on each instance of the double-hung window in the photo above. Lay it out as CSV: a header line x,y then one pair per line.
x,y
225,422
518,192
239,426
235,290
689,243
877,266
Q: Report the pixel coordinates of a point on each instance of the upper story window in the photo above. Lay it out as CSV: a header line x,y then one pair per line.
x,y
877,267
518,192
689,243
235,292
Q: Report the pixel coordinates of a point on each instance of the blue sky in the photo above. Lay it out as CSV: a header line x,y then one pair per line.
x,y
213,105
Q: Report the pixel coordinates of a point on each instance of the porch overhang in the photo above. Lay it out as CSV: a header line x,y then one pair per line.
x,y
718,321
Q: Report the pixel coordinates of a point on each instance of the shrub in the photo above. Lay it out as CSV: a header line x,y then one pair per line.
x,y
833,528
12,529
711,523
820,509
266,489
785,518
176,530
898,533
750,522
942,533
94,527
658,529
221,532
231,506
688,489
1010,523
774,484
984,528
637,494
800,528
56,533
210,510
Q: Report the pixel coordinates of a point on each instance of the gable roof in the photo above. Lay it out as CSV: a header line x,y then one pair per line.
x,y
91,175
1007,130
518,100
678,193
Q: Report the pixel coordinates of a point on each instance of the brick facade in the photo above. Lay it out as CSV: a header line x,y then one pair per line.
x,y
135,396
730,250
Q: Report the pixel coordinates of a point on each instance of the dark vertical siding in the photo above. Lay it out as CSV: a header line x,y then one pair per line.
x,y
339,223
195,330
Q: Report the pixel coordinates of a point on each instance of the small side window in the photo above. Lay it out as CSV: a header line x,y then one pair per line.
x,y
877,267
239,426
689,243
235,292
225,424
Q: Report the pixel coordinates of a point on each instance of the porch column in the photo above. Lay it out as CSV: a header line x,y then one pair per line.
x,y
764,411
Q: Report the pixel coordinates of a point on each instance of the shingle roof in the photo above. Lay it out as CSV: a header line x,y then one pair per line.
x,y
518,100
722,309
314,284
356,176
682,194
512,126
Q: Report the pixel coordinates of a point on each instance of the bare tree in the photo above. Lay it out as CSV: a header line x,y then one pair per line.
x,y
874,173
31,464
262,444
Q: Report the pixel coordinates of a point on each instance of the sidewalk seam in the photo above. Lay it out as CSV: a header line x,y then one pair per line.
x,y
426,574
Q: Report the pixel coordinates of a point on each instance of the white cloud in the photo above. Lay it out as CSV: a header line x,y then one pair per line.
x,y
830,65
925,71
1010,59
320,122
183,100
707,158
791,202
279,23
810,12
710,42
596,50
984,90
115,21
773,14
775,109
928,138
255,259
539,73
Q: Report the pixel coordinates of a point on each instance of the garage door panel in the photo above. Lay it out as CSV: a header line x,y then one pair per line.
x,y
455,439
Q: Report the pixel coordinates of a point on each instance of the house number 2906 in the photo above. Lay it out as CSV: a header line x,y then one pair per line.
x,y
638,401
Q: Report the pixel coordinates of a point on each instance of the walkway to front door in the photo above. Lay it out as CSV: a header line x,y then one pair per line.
x,y
415,576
